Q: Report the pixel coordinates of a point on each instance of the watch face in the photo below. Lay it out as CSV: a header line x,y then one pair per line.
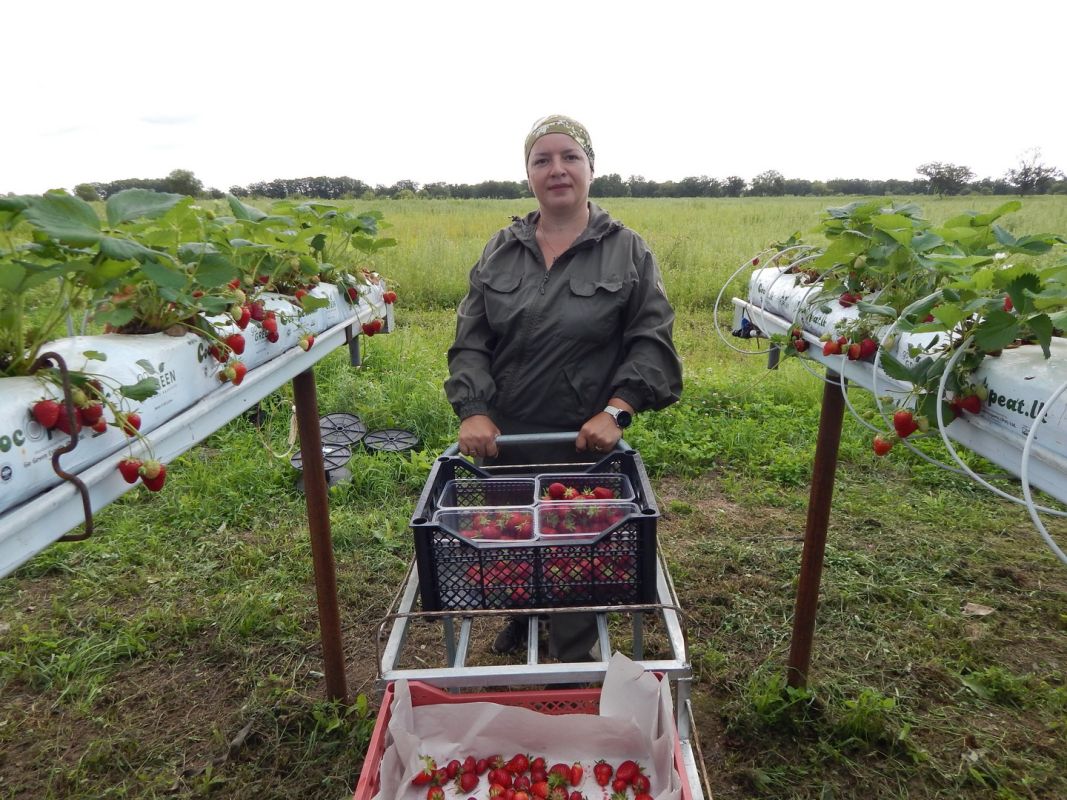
x,y
623,419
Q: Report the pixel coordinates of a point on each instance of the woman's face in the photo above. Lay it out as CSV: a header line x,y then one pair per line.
x,y
559,173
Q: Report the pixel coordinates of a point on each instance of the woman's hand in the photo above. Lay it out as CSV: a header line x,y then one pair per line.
x,y
477,436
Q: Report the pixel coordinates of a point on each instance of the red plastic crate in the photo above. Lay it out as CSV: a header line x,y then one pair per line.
x,y
548,701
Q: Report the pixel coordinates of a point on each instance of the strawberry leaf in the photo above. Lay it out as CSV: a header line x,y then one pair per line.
x,y
996,331
66,219
896,369
142,390
131,204
1041,327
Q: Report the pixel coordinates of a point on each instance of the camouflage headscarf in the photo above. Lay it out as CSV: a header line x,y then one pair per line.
x,y
557,123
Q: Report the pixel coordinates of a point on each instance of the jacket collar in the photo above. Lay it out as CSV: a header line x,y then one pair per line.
x,y
600,225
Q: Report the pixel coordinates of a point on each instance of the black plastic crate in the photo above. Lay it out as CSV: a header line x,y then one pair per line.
x,y
615,568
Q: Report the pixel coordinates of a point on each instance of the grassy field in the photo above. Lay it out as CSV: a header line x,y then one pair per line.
x,y
175,654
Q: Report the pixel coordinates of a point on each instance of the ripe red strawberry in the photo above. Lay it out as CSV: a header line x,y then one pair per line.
x,y
299,293
642,796
854,351
627,771
1008,304
482,764
576,773
972,403
831,348
257,311
519,794
239,370
153,475
556,490
435,793
641,783
369,329
848,299
800,345
602,771
570,493
378,324
243,317
353,293
469,765
882,446
130,469
235,342
904,423
620,786
425,775
46,412
518,764
270,324
539,789
868,347
272,336
90,413
389,297
100,426
576,795
306,341
130,423
603,493
66,425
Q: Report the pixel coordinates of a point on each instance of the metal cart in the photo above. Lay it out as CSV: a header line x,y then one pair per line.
x,y
455,673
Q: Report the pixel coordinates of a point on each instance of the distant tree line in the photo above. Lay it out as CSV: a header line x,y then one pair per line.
x,y
1030,176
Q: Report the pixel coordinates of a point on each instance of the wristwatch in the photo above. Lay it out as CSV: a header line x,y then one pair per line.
x,y
622,418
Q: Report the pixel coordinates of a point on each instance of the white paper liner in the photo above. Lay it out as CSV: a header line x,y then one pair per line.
x,y
636,721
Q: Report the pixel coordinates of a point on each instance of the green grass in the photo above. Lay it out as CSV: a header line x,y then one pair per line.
x,y
175,653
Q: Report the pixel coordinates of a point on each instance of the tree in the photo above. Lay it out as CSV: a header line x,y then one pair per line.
x,y
945,178
734,186
611,185
87,192
182,181
1032,177
768,184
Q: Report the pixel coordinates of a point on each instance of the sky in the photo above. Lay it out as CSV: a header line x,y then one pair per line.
x,y
388,90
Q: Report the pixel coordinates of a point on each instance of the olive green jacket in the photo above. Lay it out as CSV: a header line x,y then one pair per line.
x,y
549,348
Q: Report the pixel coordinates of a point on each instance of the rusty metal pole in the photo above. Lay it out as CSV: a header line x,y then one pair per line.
x,y
318,505
823,472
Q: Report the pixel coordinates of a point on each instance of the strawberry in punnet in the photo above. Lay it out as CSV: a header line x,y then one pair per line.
x,y
882,445
389,297
570,493
306,341
556,490
130,469
603,493
46,412
904,423
153,475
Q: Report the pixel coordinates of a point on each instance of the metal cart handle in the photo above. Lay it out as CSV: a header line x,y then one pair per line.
x,y
534,438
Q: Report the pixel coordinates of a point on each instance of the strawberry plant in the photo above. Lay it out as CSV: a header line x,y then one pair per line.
x,y
967,285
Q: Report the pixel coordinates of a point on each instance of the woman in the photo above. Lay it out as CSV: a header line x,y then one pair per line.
x,y
565,326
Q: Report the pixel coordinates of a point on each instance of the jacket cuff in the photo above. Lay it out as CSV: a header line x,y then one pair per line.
x,y
472,408
630,397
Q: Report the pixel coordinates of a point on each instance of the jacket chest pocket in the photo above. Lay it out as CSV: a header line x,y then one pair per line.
x,y
592,310
503,305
